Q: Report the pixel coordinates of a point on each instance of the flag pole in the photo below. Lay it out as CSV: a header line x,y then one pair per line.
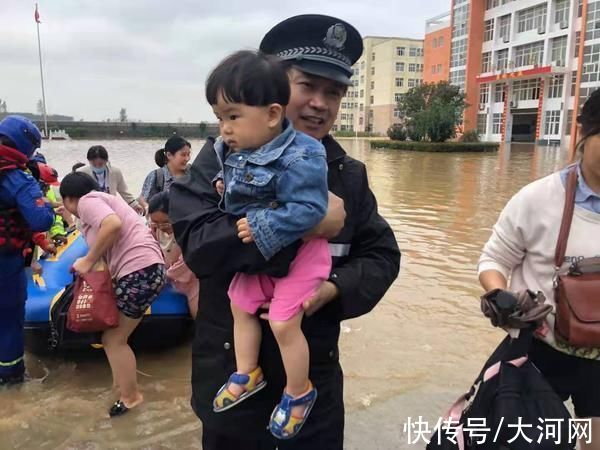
x,y
37,22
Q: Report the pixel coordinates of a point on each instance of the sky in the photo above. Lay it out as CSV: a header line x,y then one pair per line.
x,y
152,56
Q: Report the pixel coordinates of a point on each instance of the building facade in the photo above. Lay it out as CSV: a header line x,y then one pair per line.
x,y
438,36
388,67
526,66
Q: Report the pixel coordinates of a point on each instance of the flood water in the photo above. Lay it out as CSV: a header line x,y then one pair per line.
x,y
412,356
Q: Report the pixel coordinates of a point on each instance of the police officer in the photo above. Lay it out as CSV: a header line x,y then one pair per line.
x,y
319,52
22,212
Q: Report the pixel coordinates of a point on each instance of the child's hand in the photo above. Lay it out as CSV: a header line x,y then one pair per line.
x,y
220,187
244,231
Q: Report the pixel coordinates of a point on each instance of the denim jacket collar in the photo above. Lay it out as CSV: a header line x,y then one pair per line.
x,y
264,155
272,150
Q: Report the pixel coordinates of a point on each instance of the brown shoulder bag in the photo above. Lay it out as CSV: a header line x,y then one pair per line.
x,y
577,292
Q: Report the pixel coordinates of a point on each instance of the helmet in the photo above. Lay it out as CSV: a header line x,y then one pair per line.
x,y
48,175
22,132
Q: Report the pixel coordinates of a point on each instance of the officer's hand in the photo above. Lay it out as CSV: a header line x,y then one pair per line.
x,y
326,293
244,231
333,222
82,265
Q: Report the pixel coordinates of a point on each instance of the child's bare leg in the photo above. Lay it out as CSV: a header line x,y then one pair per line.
x,y
246,337
295,355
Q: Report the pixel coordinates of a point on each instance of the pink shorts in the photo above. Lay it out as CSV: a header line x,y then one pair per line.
x,y
309,269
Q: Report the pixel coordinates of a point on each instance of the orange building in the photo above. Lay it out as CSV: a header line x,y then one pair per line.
x,y
438,36
526,66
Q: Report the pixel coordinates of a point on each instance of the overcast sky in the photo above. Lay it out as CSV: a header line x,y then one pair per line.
x,y
152,56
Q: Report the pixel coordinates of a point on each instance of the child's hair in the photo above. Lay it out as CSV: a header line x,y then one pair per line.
x,y
172,146
77,166
589,119
159,202
77,185
249,77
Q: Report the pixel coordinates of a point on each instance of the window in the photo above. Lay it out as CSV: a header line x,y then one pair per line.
x,y
412,67
362,79
488,31
555,87
355,83
362,65
433,70
362,93
527,89
457,78
399,82
593,21
458,55
398,97
486,62
362,106
532,18
504,28
492,4
440,41
461,18
482,123
569,122
561,12
499,93
484,94
344,105
400,51
577,44
344,117
552,122
360,120
397,113
373,56
399,67
591,63
579,8
502,59
559,51
529,54
497,123
415,51
439,68
434,43
372,70
411,83
372,99
372,85
573,83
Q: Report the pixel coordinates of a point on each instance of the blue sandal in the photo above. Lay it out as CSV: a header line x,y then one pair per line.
x,y
252,383
285,426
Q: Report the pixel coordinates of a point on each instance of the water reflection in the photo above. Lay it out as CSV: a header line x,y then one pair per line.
x,y
418,349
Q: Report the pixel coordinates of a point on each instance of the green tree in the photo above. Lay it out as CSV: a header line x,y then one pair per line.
x,y
433,111
123,115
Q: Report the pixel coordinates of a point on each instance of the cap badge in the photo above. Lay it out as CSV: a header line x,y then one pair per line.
x,y
335,37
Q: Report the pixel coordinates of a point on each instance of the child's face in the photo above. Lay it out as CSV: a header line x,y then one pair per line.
x,y
160,221
247,127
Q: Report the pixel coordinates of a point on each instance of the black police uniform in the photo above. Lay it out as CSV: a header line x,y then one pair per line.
x,y
365,254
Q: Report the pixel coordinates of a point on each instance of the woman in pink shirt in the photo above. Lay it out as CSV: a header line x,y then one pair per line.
x,y
114,232
178,273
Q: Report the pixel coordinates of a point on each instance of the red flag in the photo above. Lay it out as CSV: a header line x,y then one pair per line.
x,y
37,14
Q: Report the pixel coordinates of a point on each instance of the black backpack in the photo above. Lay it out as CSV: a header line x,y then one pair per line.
x,y
511,395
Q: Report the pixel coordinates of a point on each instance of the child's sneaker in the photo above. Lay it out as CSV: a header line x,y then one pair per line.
x,y
283,425
251,383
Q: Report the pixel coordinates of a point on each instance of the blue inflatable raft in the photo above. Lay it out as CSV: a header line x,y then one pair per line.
x,y
165,323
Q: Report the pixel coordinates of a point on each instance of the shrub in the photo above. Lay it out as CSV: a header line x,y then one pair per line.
x,y
397,132
470,136
438,147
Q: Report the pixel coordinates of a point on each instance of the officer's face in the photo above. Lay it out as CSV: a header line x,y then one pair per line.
x,y
314,103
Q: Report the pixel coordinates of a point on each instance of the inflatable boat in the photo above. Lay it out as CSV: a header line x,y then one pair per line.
x,y
165,323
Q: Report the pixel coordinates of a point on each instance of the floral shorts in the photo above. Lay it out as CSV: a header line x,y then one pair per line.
x,y
136,292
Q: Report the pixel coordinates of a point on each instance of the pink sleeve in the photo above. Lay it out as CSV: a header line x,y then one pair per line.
x,y
92,211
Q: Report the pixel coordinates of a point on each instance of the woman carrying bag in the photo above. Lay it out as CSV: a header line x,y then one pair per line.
x,y
114,232
528,247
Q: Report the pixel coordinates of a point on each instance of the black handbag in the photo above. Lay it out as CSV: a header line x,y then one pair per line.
x,y
507,406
